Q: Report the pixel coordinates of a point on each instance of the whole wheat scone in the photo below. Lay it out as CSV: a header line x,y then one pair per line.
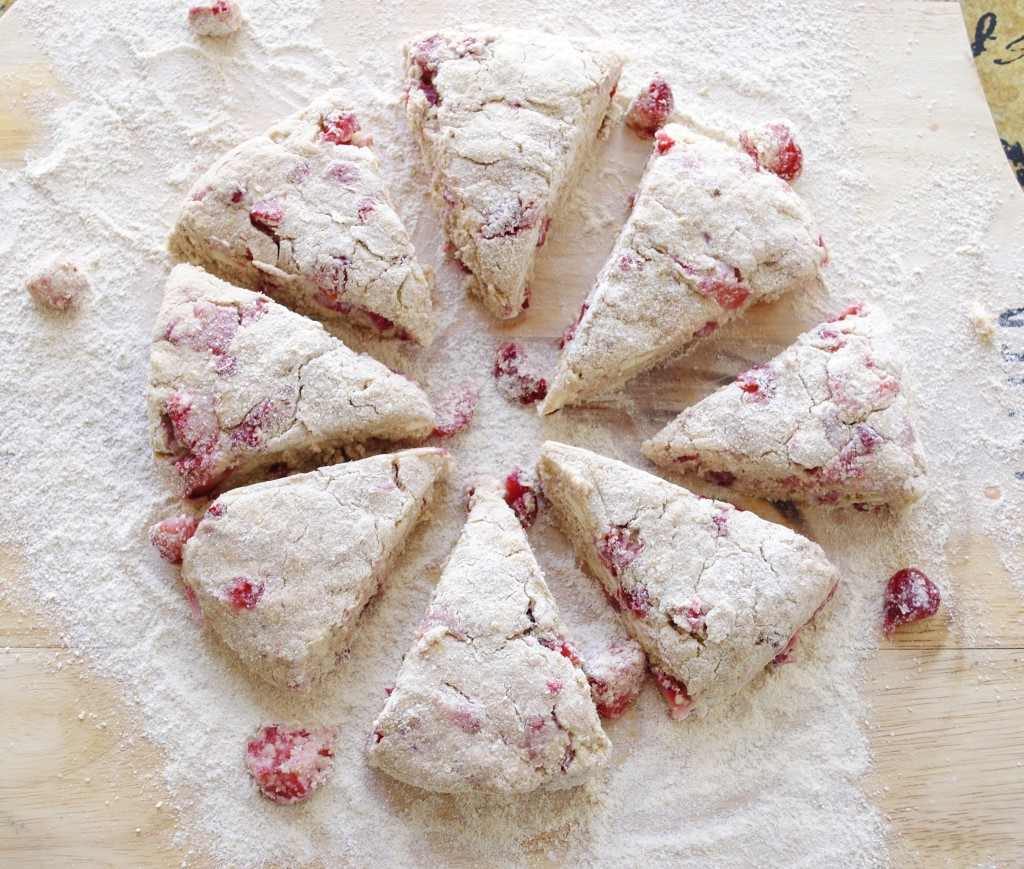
x,y
490,697
712,593
825,421
282,570
302,214
505,120
709,235
240,386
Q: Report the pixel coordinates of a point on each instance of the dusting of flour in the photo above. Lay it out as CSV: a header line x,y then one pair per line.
x,y
770,779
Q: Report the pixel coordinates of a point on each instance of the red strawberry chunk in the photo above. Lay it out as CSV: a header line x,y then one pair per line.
x,y
706,329
243,593
759,383
674,692
663,141
169,536
773,149
517,378
909,597
266,216
570,332
465,714
212,328
618,549
650,109
425,56
454,410
637,600
561,645
521,497
720,478
720,282
338,128
288,765
615,671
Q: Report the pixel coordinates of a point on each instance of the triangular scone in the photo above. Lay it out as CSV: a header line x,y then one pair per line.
x,y
709,235
490,697
301,213
239,386
505,119
825,421
282,570
712,593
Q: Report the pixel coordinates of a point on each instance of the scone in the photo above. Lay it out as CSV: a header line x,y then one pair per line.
x,y
301,213
505,120
712,593
825,422
710,234
490,697
241,387
282,570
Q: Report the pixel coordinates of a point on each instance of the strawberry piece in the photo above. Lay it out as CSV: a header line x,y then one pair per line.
x,y
619,549
773,150
909,597
521,497
339,127
215,17
169,536
454,410
266,216
561,645
663,141
517,379
720,478
615,671
674,692
425,56
243,593
570,332
57,283
720,282
288,765
650,109
759,383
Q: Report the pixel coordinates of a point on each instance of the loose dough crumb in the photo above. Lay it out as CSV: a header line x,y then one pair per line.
x,y
57,283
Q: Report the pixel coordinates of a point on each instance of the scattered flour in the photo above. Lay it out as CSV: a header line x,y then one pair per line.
x,y
770,779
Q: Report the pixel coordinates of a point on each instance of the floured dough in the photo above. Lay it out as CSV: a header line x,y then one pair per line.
x,y
616,667
712,593
301,213
283,569
826,421
490,697
709,235
240,386
505,119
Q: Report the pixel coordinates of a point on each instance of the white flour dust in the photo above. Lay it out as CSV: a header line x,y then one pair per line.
x,y
145,106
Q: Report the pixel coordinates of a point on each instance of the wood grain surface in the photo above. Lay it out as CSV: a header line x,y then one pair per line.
x,y
81,788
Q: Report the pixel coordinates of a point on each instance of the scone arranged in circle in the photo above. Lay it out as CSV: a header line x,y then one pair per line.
x,y
282,570
505,119
491,696
240,386
712,593
825,421
301,213
710,234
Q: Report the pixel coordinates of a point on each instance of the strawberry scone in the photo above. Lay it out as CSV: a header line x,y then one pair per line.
x,y
240,387
505,120
826,422
283,570
491,696
301,213
712,593
710,234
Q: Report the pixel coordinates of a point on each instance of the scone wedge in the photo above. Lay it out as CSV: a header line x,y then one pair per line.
x,y
712,593
301,213
505,120
825,422
709,235
282,570
491,697
240,387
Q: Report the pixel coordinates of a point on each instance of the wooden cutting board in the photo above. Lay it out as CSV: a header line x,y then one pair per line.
x,y
948,715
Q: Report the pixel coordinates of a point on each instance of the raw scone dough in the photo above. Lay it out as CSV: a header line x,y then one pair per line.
x,y
826,422
283,569
490,697
301,213
505,119
712,593
239,386
709,235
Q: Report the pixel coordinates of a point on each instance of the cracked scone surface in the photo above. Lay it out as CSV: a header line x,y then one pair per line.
x,y
302,214
709,235
490,697
239,385
826,421
283,569
505,120
713,594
